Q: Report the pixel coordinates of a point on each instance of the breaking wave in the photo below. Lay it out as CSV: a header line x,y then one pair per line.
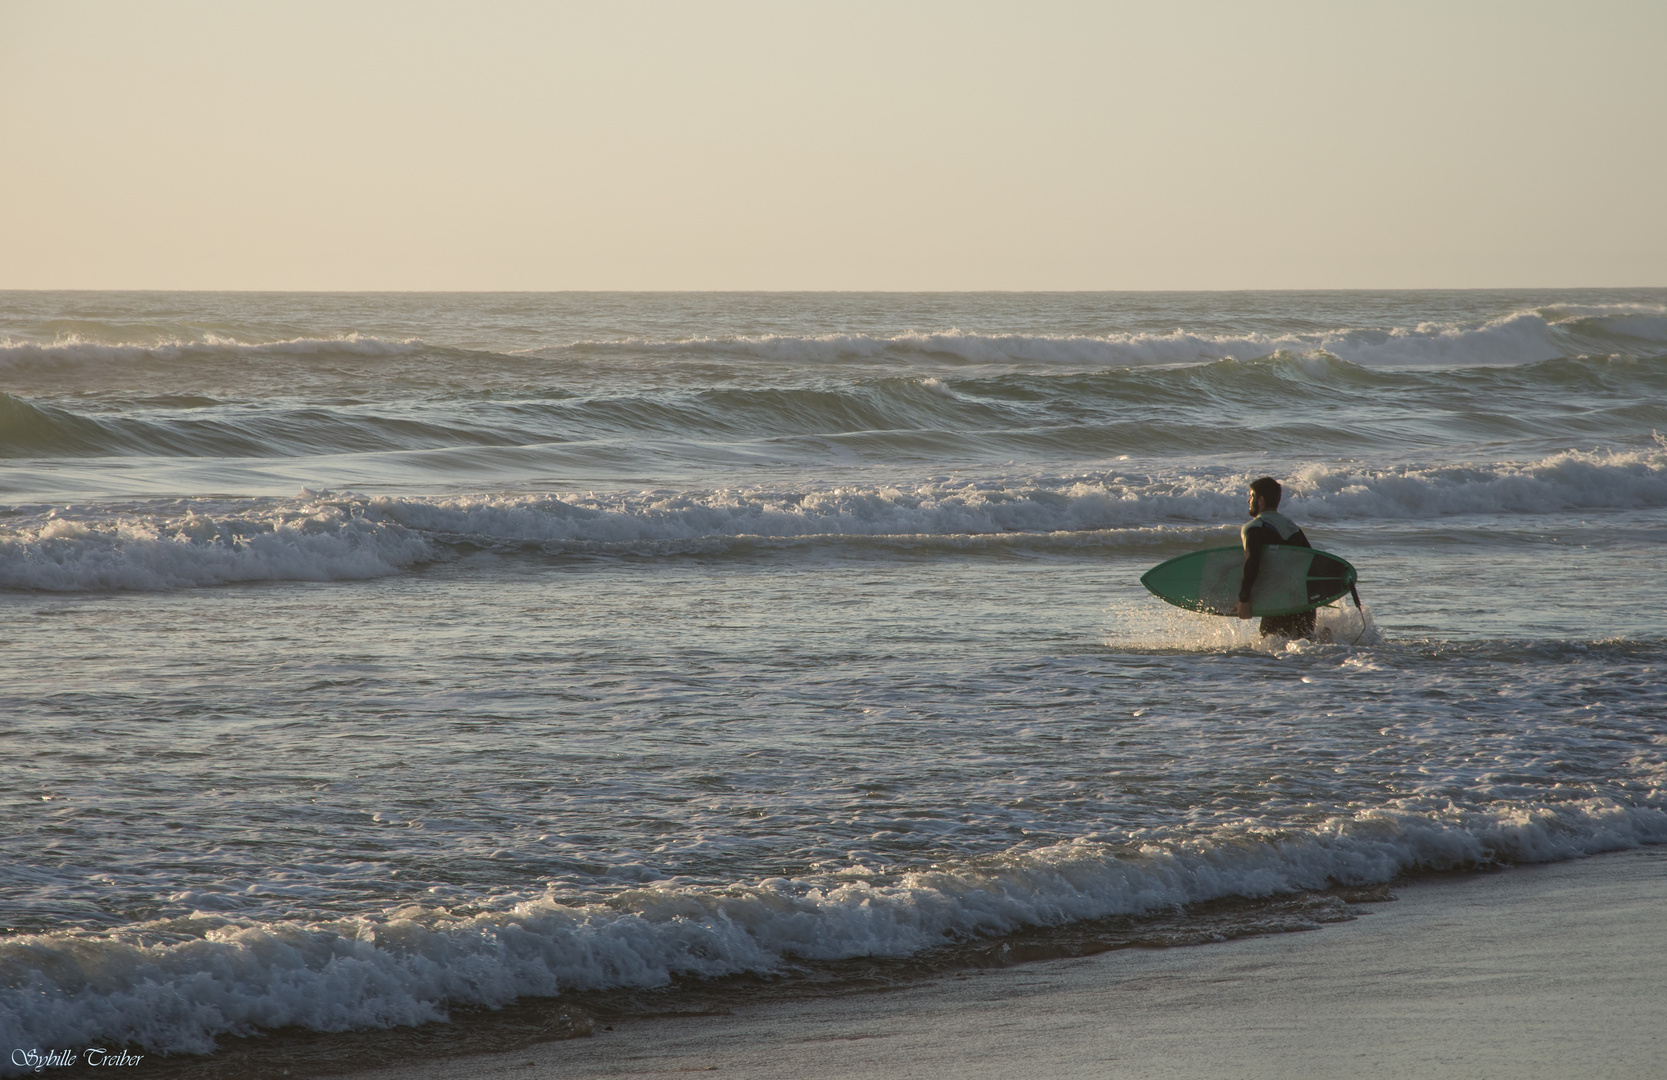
x,y
174,985
339,536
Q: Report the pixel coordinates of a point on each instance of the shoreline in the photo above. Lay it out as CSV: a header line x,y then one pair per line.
x,y
1545,970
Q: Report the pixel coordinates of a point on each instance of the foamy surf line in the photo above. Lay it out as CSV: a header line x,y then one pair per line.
x,y
173,986
341,536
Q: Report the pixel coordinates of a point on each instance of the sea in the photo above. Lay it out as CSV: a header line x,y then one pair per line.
x,y
407,662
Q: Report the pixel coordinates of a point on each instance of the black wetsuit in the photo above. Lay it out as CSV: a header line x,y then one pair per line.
x,y
1271,527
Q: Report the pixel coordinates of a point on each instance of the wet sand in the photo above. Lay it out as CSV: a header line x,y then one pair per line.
x,y
1539,971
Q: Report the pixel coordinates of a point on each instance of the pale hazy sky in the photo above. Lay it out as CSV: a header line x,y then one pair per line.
x,y
1031,145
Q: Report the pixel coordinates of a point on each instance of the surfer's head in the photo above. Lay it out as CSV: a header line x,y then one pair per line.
x,y
1265,495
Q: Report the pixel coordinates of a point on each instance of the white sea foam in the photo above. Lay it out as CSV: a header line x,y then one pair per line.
x,y
344,536
310,540
1573,480
1161,627
175,986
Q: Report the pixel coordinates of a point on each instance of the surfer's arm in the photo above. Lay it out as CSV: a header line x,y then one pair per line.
x,y
1255,539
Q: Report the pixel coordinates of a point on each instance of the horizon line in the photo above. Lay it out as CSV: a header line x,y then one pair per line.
x,y
857,292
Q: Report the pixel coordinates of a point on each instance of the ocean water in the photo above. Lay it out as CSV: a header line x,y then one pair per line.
x,y
369,658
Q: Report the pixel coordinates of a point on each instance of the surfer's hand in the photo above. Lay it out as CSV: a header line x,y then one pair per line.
x,y
1243,610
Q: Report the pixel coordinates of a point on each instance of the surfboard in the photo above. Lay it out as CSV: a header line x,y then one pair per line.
x,y
1293,579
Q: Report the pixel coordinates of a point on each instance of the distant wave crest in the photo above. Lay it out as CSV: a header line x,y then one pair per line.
x,y
76,352
1518,338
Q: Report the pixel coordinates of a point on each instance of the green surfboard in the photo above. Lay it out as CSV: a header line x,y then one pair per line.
x,y
1293,579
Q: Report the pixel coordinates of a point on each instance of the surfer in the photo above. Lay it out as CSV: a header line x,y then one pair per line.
x,y
1268,526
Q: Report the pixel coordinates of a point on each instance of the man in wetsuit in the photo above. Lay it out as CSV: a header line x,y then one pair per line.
x,y
1268,526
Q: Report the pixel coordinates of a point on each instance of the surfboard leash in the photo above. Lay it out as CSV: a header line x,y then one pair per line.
x,y
1358,606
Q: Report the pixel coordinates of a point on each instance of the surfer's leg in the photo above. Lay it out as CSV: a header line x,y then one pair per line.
x,y
1300,625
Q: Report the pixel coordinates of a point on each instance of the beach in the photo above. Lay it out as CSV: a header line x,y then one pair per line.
x,y
1539,971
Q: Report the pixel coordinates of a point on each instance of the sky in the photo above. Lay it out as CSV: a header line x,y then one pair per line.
x,y
802,146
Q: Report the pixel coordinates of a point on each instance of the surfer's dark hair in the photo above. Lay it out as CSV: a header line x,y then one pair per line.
x,y
1269,489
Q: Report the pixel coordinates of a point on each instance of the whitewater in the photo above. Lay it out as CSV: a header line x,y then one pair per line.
x,y
375,658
